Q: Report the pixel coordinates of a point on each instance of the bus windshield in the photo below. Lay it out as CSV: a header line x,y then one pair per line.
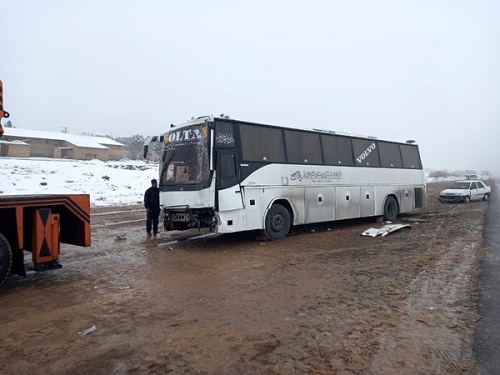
x,y
184,157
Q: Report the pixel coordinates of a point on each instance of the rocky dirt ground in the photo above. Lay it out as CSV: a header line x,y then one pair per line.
x,y
325,300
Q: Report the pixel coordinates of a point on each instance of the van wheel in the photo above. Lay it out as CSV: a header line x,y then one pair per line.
x,y
5,258
390,209
466,199
277,223
486,197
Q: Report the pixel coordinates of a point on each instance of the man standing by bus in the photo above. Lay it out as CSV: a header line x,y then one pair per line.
x,y
152,204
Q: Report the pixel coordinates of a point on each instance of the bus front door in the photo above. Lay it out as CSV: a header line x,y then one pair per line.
x,y
229,195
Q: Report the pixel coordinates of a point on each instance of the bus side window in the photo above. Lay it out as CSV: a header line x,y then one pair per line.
x,y
302,147
390,155
337,150
411,158
260,143
365,152
227,165
224,134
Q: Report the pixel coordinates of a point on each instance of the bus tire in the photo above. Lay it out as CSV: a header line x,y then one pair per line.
x,y
277,224
390,209
5,258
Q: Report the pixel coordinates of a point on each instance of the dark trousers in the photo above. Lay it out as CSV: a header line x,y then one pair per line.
x,y
152,220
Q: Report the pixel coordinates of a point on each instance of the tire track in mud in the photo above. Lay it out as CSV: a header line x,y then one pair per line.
x,y
436,302
103,218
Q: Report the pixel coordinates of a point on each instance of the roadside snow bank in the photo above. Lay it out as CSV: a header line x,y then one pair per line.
x,y
108,183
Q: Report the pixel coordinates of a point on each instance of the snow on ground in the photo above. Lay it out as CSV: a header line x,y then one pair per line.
x,y
108,183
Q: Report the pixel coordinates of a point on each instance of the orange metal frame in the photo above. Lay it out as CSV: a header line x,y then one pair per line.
x,y
51,219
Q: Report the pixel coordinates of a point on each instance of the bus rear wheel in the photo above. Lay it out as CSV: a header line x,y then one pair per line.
x,y
5,258
390,209
277,223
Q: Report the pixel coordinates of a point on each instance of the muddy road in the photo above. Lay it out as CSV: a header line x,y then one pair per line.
x,y
325,300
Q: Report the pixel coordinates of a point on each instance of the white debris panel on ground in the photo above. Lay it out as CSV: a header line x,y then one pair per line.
x,y
385,230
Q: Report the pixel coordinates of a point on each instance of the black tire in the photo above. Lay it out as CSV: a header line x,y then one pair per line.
x,y
277,222
5,258
466,199
390,209
486,197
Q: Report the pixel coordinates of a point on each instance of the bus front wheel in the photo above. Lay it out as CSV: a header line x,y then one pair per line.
x,y
390,209
277,222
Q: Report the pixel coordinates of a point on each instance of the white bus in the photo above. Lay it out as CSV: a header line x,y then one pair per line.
x,y
234,176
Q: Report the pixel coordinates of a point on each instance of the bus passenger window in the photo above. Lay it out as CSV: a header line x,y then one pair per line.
x,y
365,152
337,150
390,155
302,147
259,143
411,158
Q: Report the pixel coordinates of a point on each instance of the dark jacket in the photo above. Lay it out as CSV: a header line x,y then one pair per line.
x,y
152,199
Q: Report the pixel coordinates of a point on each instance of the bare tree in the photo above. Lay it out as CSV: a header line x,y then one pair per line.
x,y
134,146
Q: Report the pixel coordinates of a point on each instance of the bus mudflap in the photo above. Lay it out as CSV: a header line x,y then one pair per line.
x,y
46,233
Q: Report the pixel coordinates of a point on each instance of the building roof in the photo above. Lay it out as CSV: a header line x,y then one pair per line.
x,y
77,140
14,143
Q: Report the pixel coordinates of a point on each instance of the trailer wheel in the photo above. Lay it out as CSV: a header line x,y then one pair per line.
x,y
390,209
277,222
5,258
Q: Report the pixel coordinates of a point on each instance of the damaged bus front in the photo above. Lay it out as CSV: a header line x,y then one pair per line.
x,y
187,192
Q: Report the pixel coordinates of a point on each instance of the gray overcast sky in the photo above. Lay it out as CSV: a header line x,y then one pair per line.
x,y
397,70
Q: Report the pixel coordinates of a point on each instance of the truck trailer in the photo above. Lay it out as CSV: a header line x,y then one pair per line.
x,y
38,224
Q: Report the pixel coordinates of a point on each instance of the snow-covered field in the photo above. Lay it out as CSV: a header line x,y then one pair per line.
x,y
108,183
